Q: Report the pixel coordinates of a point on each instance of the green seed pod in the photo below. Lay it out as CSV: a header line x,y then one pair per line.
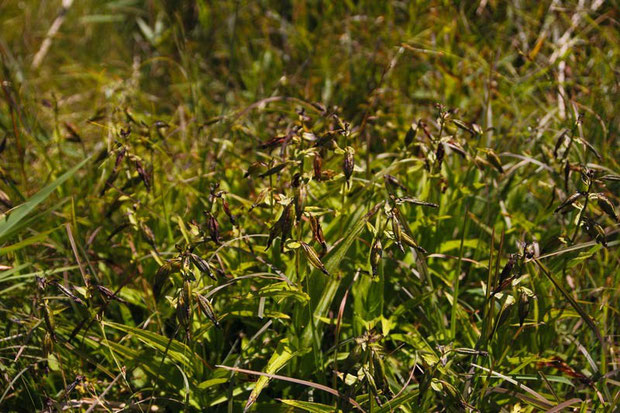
x,y
300,201
313,257
286,224
49,320
348,163
607,206
376,252
202,265
206,308
494,160
410,136
569,201
524,307
398,234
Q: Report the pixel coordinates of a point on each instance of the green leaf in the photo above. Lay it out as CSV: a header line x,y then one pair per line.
x,y
177,351
310,406
332,261
282,355
21,211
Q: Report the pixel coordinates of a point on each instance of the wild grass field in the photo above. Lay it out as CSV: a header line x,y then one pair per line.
x,y
309,206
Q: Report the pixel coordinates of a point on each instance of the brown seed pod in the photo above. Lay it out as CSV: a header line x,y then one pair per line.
x,y
68,293
317,164
213,227
273,142
144,175
74,136
439,154
109,294
317,232
230,216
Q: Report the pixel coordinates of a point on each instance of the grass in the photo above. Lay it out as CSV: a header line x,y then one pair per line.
x,y
309,206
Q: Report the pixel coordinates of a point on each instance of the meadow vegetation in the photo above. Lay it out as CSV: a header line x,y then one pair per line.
x,y
309,206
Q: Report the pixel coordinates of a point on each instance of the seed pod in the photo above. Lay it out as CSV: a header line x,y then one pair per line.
x,y
410,136
569,201
348,163
48,344
594,230
254,169
376,252
109,294
286,224
392,184
169,267
202,265
607,206
325,140
144,175
184,313
68,293
407,240
300,201
558,144
276,229
398,235
439,154
206,308
505,277
119,157
213,227
609,177
456,147
524,307
49,320
259,199
462,125
567,170
230,216
273,170
317,231
5,200
273,142
73,385
148,233
414,201
313,257
494,160
74,136
317,165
